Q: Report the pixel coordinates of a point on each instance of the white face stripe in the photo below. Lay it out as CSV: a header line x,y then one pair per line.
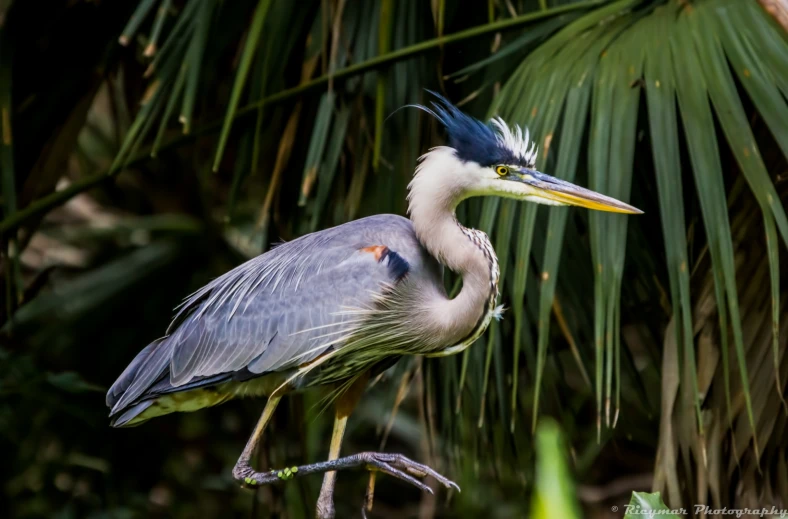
x,y
442,178
514,169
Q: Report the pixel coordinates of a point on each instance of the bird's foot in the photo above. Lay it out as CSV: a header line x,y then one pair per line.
x,y
403,468
395,465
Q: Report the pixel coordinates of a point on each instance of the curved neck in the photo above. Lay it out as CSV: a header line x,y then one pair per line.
x,y
465,251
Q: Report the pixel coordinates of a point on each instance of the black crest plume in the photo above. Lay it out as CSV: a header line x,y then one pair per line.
x,y
487,144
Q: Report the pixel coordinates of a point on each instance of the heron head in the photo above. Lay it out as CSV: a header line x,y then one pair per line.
x,y
499,160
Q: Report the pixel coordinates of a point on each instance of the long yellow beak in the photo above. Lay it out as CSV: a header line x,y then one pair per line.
x,y
562,192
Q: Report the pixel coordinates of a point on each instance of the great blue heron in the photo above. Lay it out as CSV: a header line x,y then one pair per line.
x,y
339,305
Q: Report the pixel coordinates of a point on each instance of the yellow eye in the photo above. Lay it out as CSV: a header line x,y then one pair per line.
x,y
502,170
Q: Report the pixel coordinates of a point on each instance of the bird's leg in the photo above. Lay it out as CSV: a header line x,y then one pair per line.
x,y
243,471
345,405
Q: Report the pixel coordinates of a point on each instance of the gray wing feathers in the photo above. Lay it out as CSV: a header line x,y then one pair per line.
x,y
275,328
129,374
276,311
146,371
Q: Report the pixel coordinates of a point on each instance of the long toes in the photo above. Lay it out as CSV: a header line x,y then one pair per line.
x,y
446,482
419,470
391,471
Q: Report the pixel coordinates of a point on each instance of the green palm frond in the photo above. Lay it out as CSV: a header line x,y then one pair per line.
x,y
678,54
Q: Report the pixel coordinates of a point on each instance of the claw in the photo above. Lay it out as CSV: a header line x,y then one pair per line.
x,y
405,469
391,471
423,470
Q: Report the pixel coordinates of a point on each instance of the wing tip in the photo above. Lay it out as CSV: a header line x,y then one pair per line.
x,y
144,369
127,418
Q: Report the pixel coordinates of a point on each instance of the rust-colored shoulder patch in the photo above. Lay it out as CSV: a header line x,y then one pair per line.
x,y
397,265
379,251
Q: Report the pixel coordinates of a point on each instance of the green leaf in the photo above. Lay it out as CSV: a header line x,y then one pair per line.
x,y
142,10
317,145
735,125
175,95
539,110
250,47
158,25
193,63
329,166
707,170
171,50
54,199
659,84
554,493
384,42
528,37
522,256
72,382
626,56
585,56
503,232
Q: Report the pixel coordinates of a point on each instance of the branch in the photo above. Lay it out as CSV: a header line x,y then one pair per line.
x,y
48,202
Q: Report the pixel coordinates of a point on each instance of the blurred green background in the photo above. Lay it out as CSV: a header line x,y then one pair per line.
x,y
151,145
